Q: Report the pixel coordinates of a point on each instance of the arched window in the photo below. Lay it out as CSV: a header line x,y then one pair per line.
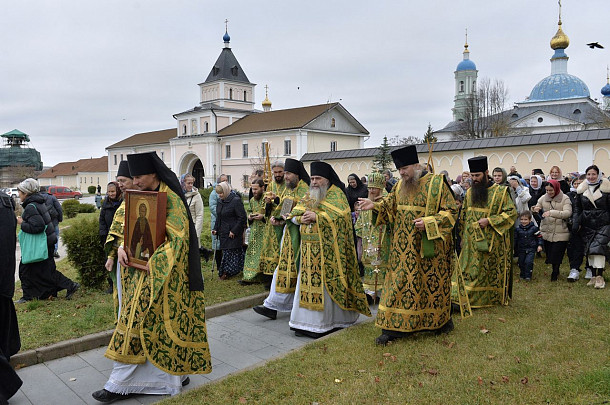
x,y
184,129
230,94
206,126
245,96
474,86
332,122
461,86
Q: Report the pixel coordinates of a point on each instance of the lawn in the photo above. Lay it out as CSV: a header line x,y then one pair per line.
x,y
45,322
551,345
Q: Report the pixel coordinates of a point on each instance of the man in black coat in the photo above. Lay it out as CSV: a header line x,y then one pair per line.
x,y
57,215
10,342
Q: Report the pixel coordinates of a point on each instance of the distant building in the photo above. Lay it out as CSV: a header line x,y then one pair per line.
x,y
17,160
78,175
224,133
559,102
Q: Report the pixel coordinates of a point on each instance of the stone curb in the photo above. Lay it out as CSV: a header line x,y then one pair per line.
x,y
93,341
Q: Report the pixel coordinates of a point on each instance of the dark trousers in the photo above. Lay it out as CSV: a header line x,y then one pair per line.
x,y
576,251
526,263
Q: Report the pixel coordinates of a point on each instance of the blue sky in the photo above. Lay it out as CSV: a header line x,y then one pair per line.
x,y
80,75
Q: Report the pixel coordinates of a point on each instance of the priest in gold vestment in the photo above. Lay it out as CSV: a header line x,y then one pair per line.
x,y
486,222
160,335
329,293
422,212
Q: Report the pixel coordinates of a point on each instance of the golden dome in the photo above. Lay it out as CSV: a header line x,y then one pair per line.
x,y
266,102
560,40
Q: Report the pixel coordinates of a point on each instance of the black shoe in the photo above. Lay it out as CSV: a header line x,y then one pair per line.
x,y
56,255
243,282
206,253
109,397
186,381
309,334
264,311
71,291
446,328
554,276
383,339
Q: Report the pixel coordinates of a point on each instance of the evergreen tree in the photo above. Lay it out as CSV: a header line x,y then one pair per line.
x,y
383,158
429,135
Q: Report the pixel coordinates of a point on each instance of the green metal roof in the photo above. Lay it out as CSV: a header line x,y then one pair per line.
x,y
15,133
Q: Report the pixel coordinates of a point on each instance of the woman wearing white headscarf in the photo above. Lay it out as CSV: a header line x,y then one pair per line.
x,y
40,280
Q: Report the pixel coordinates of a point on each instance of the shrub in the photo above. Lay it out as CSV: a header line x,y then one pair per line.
x,y
205,195
91,189
85,252
86,208
70,208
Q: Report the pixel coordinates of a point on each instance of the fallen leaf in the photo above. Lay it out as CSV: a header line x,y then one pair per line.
x,y
380,364
450,345
338,380
504,378
432,371
387,354
480,380
517,359
501,319
483,330
377,379
242,400
524,380
393,358
490,357
300,375
421,384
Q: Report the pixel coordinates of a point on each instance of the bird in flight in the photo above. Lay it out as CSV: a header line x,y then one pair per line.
x,y
594,45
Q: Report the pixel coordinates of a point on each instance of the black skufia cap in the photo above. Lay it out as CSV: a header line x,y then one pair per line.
x,y
405,156
323,169
123,170
297,167
478,164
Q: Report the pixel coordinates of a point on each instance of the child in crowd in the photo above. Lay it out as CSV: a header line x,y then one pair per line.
x,y
528,241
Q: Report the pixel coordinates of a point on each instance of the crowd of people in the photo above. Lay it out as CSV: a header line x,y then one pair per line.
x,y
421,245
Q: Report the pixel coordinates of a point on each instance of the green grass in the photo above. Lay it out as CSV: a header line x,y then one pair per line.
x,y
551,345
50,321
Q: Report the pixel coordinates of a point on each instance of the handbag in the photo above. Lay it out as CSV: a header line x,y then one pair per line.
x,y
33,246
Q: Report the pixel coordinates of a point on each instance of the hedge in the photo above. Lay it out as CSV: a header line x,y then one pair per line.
x,y
85,252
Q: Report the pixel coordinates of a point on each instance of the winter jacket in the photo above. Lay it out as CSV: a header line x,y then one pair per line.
x,y
35,216
8,236
54,208
195,203
521,197
554,228
213,202
230,217
107,214
527,238
592,216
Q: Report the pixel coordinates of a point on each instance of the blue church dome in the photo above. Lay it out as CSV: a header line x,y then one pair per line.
x,y
226,37
606,90
559,86
466,64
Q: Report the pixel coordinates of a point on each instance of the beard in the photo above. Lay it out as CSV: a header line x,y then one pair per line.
x,y
318,194
279,179
292,184
479,192
410,185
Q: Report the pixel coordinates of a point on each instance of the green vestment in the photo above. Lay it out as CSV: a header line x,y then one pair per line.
x,y
417,285
270,254
255,242
486,255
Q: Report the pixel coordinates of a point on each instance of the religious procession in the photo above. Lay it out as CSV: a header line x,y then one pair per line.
x,y
418,249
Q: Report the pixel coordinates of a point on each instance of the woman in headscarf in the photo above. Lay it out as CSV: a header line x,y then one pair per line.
x,y
229,227
592,220
194,201
112,202
355,189
555,174
40,280
555,208
536,191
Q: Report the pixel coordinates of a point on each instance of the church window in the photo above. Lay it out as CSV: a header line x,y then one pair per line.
x,y
230,94
245,96
215,70
264,147
163,156
540,119
193,127
245,179
514,116
229,178
461,86
577,111
332,122
115,159
122,157
234,70
228,151
333,146
474,86
245,150
287,147
184,129
206,127
91,179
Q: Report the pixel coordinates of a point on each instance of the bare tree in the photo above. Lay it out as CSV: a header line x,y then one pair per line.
x,y
409,140
600,118
485,114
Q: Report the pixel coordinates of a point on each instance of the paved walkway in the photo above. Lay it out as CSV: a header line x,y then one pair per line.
x,y
238,340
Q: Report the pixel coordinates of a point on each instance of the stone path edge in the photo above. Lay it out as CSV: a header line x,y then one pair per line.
x,y
89,342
